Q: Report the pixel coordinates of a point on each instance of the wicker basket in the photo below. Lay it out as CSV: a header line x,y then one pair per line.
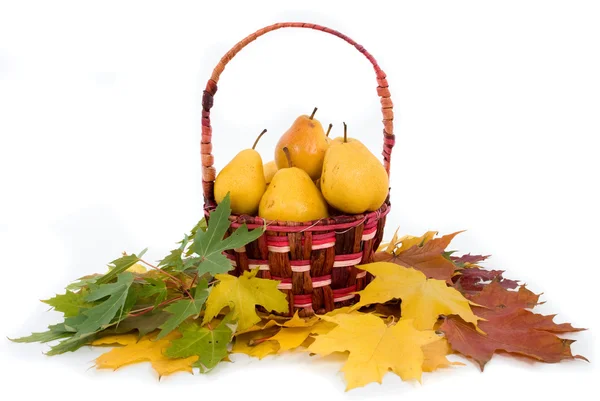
x,y
314,261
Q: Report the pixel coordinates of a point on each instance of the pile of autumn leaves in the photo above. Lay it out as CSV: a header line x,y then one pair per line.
x,y
422,305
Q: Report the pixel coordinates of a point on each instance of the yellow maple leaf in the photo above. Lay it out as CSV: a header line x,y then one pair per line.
x,y
242,294
423,300
291,337
118,339
435,355
400,244
147,349
389,246
137,268
374,348
278,335
246,344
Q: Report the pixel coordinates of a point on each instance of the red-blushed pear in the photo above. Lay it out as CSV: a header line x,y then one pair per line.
x,y
306,142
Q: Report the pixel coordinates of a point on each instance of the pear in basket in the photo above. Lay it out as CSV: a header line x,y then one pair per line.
x,y
292,196
244,179
353,179
306,142
270,169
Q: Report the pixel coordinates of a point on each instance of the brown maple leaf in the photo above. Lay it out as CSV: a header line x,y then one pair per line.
x,y
509,327
468,258
473,279
428,258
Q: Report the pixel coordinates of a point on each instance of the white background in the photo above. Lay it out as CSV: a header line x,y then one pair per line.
x,y
497,120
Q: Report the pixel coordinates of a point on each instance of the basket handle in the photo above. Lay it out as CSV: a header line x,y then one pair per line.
x,y
208,170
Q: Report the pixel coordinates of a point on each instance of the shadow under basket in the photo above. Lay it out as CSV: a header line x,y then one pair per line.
x,y
315,262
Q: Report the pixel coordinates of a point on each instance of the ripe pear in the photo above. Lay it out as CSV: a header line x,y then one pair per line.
x,y
270,169
292,196
306,142
244,179
353,180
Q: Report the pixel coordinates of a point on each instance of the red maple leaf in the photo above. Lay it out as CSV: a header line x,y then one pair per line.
x,y
508,327
468,258
473,280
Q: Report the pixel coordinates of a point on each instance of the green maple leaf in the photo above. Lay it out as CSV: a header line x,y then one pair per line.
x,y
118,266
102,314
209,345
183,309
144,324
55,332
209,245
175,259
72,340
71,323
214,264
155,288
200,226
70,303
83,282
73,343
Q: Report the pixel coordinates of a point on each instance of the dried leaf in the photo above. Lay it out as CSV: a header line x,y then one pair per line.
x,y
147,350
509,327
423,300
117,339
468,259
242,294
268,339
399,244
435,356
428,258
256,343
472,280
374,348
137,268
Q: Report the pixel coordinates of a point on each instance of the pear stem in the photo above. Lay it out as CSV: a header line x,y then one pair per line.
x,y
313,114
288,156
329,130
345,133
258,139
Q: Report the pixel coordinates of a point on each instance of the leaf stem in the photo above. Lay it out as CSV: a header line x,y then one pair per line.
x,y
194,280
252,343
175,279
143,311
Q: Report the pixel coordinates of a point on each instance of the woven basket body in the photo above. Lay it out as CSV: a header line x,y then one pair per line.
x,y
314,261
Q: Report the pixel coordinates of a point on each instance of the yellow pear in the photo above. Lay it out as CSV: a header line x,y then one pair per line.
x,y
292,196
306,142
270,169
353,180
244,179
